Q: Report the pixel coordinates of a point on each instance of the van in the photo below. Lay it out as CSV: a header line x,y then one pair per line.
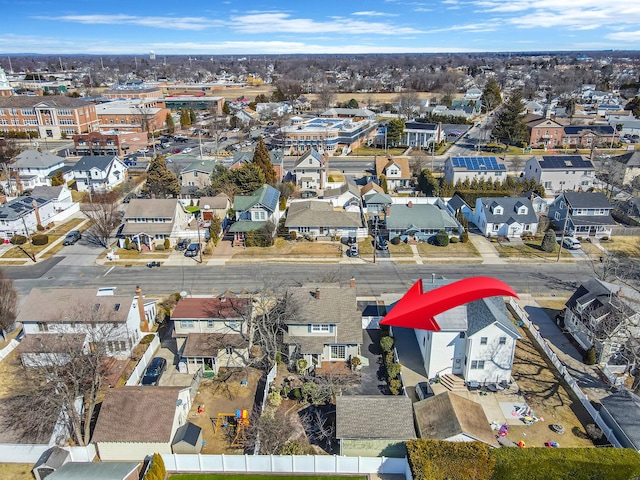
x,y
571,243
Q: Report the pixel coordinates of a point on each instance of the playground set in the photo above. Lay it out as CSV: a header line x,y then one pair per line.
x,y
238,420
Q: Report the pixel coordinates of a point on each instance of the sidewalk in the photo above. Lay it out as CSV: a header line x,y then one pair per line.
x,y
486,250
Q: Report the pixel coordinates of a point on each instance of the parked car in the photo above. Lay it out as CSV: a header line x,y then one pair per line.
x,y
353,250
143,150
381,243
423,390
72,237
183,244
176,150
571,243
187,150
192,250
154,371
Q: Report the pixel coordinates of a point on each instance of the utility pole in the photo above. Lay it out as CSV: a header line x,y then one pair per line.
x,y
564,228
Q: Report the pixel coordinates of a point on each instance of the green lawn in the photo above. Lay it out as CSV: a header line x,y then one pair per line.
x,y
239,476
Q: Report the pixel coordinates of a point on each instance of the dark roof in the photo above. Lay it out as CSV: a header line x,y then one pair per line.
x,y
583,220
587,200
395,410
101,162
457,202
51,102
478,164
565,162
188,433
54,458
510,207
624,407
597,129
20,206
420,126
631,159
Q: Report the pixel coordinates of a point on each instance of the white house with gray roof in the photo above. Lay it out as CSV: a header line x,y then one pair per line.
x,y
343,195
22,215
310,170
420,221
317,218
197,175
559,173
100,173
33,168
505,216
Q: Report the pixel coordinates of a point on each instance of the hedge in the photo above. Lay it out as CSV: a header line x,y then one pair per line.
x,y
18,240
437,460
40,239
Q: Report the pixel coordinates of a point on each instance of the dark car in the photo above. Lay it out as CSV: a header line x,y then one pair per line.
x,y
72,237
183,244
192,250
154,371
381,243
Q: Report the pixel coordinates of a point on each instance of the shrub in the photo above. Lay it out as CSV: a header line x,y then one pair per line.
x,y
274,399
355,362
207,250
393,370
40,228
604,239
127,242
395,386
40,239
18,240
293,448
293,235
167,244
453,240
464,238
442,239
386,344
549,241
439,460
590,357
396,240
301,365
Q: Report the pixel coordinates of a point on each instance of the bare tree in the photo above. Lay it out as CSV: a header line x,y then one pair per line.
x,y
8,304
319,425
417,164
104,217
66,385
216,125
270,431
326,97
408,105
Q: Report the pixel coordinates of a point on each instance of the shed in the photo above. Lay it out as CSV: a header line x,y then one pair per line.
x,y
50,461
188,439
97,471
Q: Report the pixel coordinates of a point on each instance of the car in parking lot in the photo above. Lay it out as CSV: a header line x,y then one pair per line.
x,y
154,371
72,237
187,150
571,243
176,150
143,150
192,250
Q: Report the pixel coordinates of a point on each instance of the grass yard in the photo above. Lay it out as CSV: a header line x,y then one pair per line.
x,y
16,471
239,476
529,249
452,250
54,234
292,249
372,151
627,245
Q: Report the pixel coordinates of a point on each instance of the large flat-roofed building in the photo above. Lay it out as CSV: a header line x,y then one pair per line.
x,y
185,102
134,115
326,134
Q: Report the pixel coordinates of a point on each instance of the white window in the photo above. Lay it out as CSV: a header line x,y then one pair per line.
x,y
320,328
211,323
229,350
186,323
503,341
338,352
483,340
477,364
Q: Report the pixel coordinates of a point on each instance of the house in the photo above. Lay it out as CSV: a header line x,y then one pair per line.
x,y
310,170
137,421
586,136
376,202
97,471
476,340
345,195
43,349
459,169
197,175
604,315
396,171
32,168
473,94
217,206
269,110
117,320
327,326
366,435
505,216
188,439
420,221
60,196
457,204
582,214
453,418
241,158
255,212
620,411
540,205
545,132
22,215
418,134
215,332
149,219
533,108
624,169
317,218
99,173
559,173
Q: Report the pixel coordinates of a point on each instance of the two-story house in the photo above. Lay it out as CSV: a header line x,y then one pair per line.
x,y
624,169
99,173
476,340
582,214
587,136
505,216
310,170
418,134
559,173
345,195
115,321
215,332
196,176
317,218
459,169
396,171
545,132
604,315
149,219
255,212
327,326
32,168
22,215
60,196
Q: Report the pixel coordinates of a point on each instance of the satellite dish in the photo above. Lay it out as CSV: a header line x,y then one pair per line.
x,y
207,207
183,293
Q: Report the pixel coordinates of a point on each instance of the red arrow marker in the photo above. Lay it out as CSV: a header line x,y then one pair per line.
x,y
417,309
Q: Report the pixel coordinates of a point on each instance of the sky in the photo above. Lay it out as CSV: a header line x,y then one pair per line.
x,y
316,26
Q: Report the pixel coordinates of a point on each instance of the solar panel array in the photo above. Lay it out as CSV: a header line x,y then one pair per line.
x,y
477,163
565,161
271,197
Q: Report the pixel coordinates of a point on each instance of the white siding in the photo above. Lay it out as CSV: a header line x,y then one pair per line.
x,y
130,451
439,349
498,359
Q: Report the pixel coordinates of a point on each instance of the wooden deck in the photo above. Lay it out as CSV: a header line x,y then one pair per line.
x,y
333,368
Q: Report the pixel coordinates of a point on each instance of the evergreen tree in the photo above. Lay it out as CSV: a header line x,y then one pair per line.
x,y
215,229
442,238
491,95
549,241
590,357
428,183
160,181
262,159
383,183
225,109
510,126
395,131
193,118
185,119
171,126
353,103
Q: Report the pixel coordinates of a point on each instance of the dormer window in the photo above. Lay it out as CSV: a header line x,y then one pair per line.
x,y
497,210
522,210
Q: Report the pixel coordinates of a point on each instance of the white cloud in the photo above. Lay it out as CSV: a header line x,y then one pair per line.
x,y
625,36
172,23
277,22
372,13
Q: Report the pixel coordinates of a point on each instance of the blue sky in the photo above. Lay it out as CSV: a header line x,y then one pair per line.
x,y
316,26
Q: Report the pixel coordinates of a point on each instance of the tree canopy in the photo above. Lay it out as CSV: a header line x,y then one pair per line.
x,y
262,159
395,131
491,95
510,126
160,180
242,181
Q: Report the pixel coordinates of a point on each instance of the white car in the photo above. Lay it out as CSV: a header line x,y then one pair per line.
x,y
571,243
143,150
187,150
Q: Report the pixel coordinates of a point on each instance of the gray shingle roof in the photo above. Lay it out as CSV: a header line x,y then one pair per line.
x,y
486,311
420,215
20,206
205,166
624,407
45,191
587,200
374,417
509,207
101,162
314,213
151,208
94,471
214,203
36,159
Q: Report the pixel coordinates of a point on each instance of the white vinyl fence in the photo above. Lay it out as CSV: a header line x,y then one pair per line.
x,y
13,343
299,464
30,453
542,343
144,361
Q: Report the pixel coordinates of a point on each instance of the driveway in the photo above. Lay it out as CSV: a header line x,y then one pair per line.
x,y
410,358
372,376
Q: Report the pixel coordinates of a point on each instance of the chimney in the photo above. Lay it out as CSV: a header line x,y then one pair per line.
x,y
387,210
144,323
317,293
352,282
36,211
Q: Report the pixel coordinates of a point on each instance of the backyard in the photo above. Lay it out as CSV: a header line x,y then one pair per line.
x,y
241,476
